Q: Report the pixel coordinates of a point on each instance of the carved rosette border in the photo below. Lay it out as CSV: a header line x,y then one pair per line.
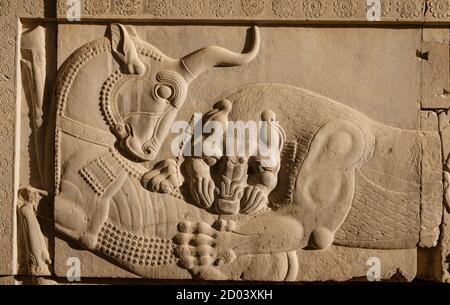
x,y
9,10
257,10
35,8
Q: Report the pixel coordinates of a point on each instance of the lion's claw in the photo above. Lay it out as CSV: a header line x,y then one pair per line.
x,y
201,246
224,225
254,200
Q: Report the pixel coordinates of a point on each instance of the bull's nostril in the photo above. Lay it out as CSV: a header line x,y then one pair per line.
x,y
148,150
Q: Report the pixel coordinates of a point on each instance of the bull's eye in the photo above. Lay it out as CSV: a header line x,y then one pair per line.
x,y
164,92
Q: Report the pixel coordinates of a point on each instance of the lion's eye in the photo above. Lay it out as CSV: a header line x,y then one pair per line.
x,y
164,92
256,167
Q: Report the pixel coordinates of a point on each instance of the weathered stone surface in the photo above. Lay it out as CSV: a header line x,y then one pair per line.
x,y
8,108
172,151
91,265
432,188
7,280
429,264
386,90
434,56
343,264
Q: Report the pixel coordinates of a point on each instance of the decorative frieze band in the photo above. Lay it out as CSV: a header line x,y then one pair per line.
x,y
235,10
259,10
8,35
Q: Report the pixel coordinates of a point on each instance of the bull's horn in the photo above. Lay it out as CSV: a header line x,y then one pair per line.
x,y
214,56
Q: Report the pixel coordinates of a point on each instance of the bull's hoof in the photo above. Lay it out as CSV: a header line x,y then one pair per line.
x,y
89,240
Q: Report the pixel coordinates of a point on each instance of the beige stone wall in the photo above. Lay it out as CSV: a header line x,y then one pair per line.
x,y
359,183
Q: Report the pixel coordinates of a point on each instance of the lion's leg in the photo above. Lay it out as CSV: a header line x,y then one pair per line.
x,y
325,185
205,250
276,267
323,195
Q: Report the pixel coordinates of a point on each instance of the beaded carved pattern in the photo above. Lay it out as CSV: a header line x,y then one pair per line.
x,y
134,249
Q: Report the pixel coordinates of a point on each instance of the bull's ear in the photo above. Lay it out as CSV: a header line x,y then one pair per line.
x,y
124,49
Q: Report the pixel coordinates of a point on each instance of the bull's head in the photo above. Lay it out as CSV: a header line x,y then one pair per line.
x,y
153,87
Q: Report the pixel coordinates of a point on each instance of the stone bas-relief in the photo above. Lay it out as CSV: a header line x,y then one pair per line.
x,y
217,216
324,186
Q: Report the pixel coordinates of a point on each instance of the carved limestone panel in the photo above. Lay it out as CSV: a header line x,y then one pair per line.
x,y
224,140
348,179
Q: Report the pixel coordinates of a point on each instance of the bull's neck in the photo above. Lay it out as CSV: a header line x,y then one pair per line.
x,y
80,83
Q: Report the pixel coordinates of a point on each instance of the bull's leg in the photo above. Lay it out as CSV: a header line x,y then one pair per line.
x,y
72,220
